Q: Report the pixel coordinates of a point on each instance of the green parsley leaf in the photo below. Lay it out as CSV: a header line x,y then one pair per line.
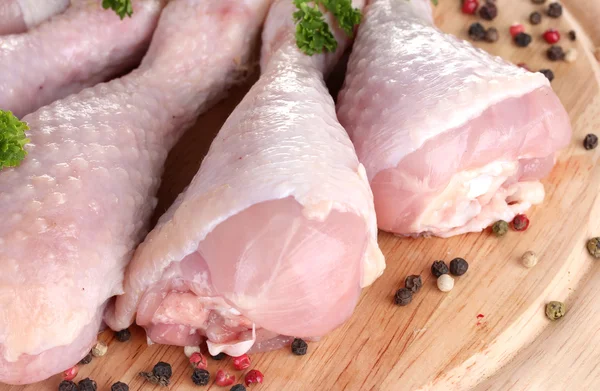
x,y
121,7
312,32
346,16
12,140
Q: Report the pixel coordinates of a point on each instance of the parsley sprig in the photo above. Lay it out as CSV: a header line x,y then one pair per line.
x,y
12,140
121,7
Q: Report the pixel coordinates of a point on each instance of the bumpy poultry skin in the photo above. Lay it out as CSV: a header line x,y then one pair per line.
x,y
452,138
82,47
276,234
77,206
19,15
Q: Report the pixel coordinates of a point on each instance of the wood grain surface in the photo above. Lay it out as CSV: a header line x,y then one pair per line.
x,y
439,342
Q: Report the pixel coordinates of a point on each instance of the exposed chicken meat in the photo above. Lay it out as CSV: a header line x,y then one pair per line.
x,y
277,229
77,206
19,15
452,138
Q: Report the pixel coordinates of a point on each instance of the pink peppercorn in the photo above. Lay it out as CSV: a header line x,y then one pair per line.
x,y
70,373
242,362
520,223
469,7
253,377
552,36
198,361
224,379
516,29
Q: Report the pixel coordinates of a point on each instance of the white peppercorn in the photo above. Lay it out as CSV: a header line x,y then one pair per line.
x,y
529,259
189,350
99,349
445,283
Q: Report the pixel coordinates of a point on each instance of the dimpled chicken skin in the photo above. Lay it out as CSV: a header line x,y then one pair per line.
x,y
79,203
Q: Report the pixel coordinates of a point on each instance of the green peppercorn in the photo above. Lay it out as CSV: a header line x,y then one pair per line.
x,y
299,347
593,247
555,310
414,283
500,228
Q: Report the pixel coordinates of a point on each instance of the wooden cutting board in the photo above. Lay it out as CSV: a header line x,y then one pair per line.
x,y
490,332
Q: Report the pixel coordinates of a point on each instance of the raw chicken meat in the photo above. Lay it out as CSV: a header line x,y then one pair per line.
x,y
82,47
18,16
276,234
80,202
452,138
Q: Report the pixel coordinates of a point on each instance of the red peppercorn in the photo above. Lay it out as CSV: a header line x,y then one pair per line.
x,y
516,29
224,379
242,362
198,361
552,36
520,223
70,373
253,377
469,7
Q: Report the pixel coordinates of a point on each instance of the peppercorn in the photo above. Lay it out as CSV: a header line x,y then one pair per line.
x,y
572,35
87,359
555,10
123,335
523,39
491,35
548,73
488,11
590,141
469,6
119,386
200,377
403,297
593,247
299,347
555,310
445,283
67,385
438,268
529,259
538,1
555,53
571,55
71,373
477,32
87,384
414,283
198,361
189,350
551,36
500,228
515,29
152,378
520,222
162,369
535,18
458,266
238,387
219,356
99,349
253,377
242,362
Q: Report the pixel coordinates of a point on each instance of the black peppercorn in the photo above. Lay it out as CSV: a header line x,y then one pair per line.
x,y
548,73
200,377
491,35
414,283
162,369
438,268
572,35
119,386
523,39
488,11
477,32
299,347
458,266
67,385
538,1
555,10
535,18
238,387
87,359
403,297
555,53
87,384
123,335
590,141
219,356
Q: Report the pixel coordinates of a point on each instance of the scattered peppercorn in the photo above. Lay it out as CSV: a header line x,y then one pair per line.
x,y
414,283
238,387
555,53
548,73
469,7
189,350
219,356
520,222
224,379
87,384
87,359
590,141
99,349
500,228
253,377
71,373
198,361
538,1
515,29
555,10
67,385
438,268
242,362
529,259
535,18
445,283
200,377
551,36
572,35
555,310
523,39
593,247
158,380
123,335
403,297
458,266
299,347
571,55
162,369
488,11
477,32
491,35
119,386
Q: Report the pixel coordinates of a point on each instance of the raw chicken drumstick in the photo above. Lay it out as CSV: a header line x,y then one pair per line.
x,y
452,138
276,234
82,47
17,16
74,210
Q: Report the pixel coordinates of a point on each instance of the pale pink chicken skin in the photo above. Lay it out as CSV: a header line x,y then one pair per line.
x,y
276,234
80,202
452,138
82,47
17,16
